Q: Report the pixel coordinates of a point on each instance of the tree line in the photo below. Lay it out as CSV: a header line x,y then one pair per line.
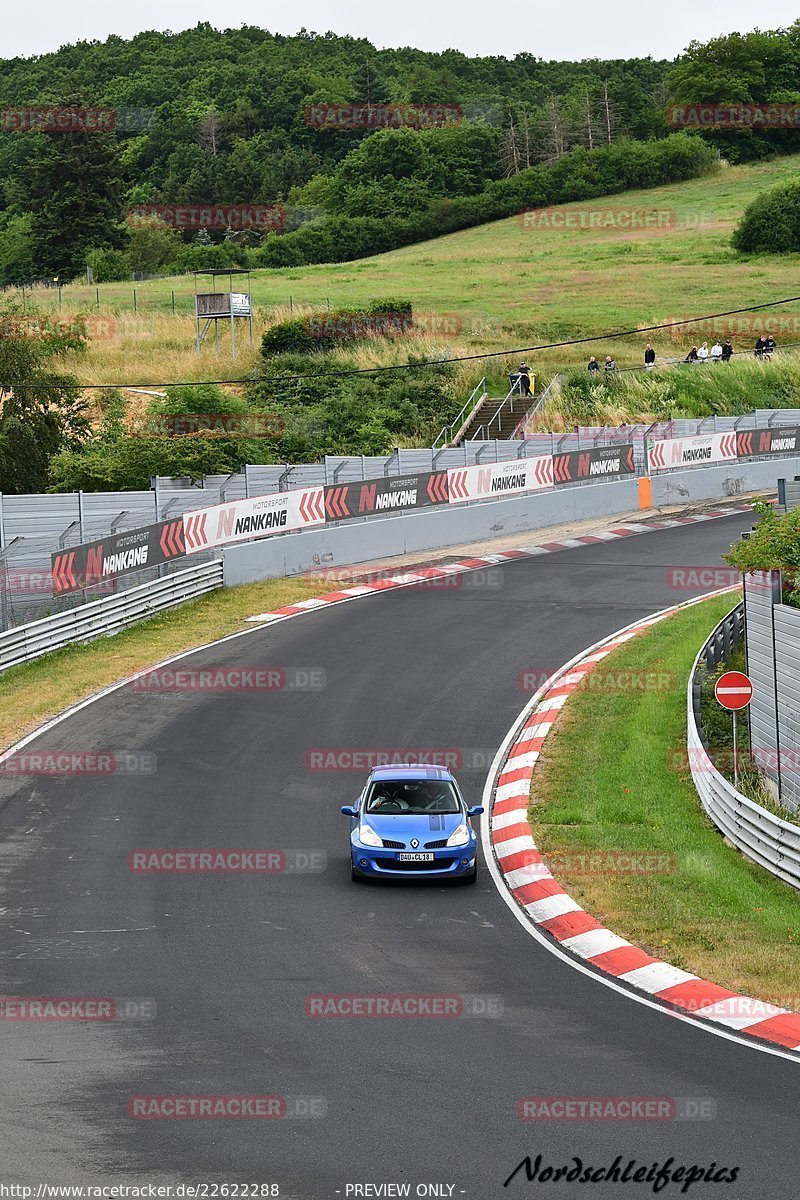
x,y
222,116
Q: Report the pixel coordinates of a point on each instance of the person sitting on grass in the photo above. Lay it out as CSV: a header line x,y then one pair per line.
x,y
594,366
692,355
610,365
716,352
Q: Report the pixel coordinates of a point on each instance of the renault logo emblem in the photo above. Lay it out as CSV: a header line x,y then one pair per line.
x,y
414,843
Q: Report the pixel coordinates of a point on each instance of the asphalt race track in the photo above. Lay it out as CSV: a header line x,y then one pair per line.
x,y
229,959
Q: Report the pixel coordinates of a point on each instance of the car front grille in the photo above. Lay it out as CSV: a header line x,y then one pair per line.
x,y
389,845
440,845
438,864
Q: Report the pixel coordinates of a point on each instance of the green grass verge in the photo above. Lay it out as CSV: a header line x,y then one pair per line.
x,y
511,285
33,692
611,779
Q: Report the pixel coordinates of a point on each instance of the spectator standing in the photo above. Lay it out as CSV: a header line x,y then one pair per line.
x,y
525,379
702,353
727,351
594,366
716,352
609,364
692,355
649,358
759,349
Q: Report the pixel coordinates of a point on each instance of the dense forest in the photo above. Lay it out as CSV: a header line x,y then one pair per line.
x,y
227,117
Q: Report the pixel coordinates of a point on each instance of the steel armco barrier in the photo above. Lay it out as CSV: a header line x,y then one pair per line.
x,y
100,618
757,833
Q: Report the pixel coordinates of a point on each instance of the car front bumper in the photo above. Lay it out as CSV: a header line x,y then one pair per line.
x,y
377,862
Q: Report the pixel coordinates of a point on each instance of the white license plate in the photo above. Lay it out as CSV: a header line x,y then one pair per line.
x,y
415,857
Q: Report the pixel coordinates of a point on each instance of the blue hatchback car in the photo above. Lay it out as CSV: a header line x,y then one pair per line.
x,y
412,822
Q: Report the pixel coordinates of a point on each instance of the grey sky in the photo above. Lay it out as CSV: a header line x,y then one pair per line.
x,y
573,30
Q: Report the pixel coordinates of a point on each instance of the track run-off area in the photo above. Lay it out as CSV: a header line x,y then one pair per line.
x,y
223,965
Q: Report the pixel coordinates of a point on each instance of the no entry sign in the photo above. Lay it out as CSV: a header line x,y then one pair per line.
x,y
734,690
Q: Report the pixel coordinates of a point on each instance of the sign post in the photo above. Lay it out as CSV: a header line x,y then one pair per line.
x,y
734,691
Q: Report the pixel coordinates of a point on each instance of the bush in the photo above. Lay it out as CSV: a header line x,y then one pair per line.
x,y
774,545
208,258
771,224
288,337
130,462
152,245
329,330
109,266
197,398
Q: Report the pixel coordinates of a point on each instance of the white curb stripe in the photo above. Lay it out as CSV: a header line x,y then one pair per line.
x,y
516,817
657,977
532,873
551,703
513,845
551,906
594,941
734,1011
521,787
521,760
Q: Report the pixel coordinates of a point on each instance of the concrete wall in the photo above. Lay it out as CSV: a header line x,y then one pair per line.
x,y
427,529
437,528
723,482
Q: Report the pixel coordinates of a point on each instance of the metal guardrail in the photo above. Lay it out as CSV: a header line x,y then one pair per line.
x,y
100,618
445,436
481,434
757,833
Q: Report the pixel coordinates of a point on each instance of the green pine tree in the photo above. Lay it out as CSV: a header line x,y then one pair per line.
x,y
72,187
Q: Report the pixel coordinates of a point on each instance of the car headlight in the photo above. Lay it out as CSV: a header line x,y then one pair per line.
x,y
460,836
368,837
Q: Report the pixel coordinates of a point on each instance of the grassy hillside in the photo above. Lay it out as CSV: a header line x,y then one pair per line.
x,y
506,285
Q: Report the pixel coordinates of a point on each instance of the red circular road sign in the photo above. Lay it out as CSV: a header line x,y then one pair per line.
x,y
734,690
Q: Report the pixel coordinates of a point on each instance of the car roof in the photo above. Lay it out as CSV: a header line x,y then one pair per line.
x,y
411,771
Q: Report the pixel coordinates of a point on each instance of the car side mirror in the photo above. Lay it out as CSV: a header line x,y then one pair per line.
x,y
349,810
475,811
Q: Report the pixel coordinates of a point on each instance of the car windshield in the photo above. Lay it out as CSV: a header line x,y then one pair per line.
x,y
397,797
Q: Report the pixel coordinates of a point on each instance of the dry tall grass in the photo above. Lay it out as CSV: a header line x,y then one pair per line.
x,y
154,348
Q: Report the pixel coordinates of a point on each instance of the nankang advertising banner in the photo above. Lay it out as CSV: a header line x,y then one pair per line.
x,y
750,442
389,493
601,462
698,451
118,554
256,517
500,479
